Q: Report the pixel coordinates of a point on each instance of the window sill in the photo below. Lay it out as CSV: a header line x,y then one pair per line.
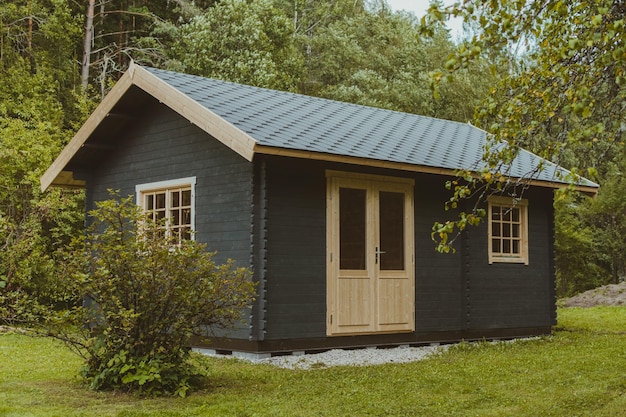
x,y
498,260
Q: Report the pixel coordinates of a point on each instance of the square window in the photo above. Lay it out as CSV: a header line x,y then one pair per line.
x,y
171,203
508,230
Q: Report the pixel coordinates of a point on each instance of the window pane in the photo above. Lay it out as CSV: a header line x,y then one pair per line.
x,y
160,201
506,230
391,230
167,208
186,217
515,214
351,228
186,198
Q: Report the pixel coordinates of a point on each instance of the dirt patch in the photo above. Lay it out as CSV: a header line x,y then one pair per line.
x,y
608,295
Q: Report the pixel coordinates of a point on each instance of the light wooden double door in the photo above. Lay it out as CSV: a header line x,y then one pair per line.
x,y
370,254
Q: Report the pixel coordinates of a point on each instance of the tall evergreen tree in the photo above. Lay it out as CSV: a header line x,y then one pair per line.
x,y
38,109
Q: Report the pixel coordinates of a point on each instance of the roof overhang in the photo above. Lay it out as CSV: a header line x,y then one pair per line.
x,y
64,173
268,150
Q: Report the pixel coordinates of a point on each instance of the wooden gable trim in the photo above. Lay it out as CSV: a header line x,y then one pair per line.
x,y
196,113
229,135
294,153
53,173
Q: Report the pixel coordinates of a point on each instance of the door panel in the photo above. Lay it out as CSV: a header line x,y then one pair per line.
x,y
395,289
393,296
353,301
370,254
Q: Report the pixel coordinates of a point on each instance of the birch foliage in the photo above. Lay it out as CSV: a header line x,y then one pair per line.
x,y
564,97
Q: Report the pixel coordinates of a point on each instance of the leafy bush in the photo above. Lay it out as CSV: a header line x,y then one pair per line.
x,y
144,298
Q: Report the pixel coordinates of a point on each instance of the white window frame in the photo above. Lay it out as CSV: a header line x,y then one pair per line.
x,y
141,189
510,202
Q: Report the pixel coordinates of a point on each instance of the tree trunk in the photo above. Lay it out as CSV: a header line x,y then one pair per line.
x,y
29,37
84,76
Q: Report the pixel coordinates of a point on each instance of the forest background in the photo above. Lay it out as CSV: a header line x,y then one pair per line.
x,y
548,76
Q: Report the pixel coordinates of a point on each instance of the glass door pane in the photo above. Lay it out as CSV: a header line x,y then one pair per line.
x,y
352,223
391,223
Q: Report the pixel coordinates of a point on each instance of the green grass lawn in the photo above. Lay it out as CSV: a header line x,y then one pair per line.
x,y
579,371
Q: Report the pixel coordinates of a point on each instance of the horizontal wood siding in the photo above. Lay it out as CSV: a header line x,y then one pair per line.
x,y
438,277
160,145
514,295
163,146
457,292
296,249
296,278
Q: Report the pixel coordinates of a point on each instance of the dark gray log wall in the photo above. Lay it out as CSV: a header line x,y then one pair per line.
x,y
439,287
161,145
296,252
287,199
454,292
513,295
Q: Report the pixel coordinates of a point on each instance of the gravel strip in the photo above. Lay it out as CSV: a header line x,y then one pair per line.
x,y
356,357
351,357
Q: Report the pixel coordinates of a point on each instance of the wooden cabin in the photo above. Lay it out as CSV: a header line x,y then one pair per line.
x,y
330,204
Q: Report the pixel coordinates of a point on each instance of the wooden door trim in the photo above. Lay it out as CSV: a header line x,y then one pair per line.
x,y
369,182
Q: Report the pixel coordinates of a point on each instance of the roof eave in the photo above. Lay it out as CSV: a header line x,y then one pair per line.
x,y
320,156
225,132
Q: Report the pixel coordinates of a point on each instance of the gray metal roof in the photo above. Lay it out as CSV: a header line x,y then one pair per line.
x,y
298,122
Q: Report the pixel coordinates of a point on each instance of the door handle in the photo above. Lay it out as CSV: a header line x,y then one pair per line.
x,y
378,252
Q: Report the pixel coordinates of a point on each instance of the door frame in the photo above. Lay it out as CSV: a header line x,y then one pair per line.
x,y
370,182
